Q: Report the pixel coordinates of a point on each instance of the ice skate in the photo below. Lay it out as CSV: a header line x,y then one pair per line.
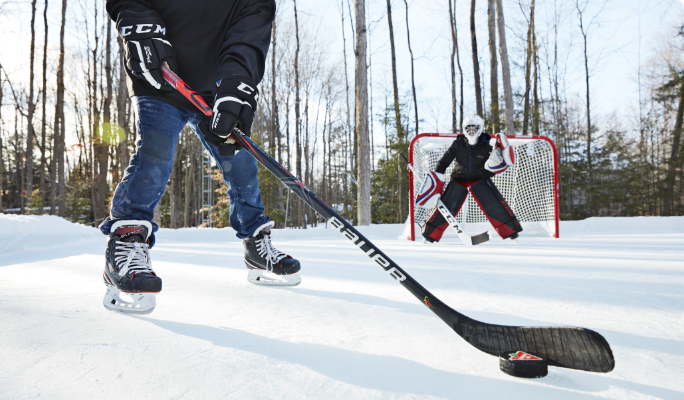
x,y
132,285
267,265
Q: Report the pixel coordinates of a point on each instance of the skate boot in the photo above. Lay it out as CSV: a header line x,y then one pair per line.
x,y
267,265
128,269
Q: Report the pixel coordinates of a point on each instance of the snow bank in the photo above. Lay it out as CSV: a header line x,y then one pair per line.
x,y
22,232
624,225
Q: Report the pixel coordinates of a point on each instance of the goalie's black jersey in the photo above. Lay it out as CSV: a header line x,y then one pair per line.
x,y
470,161
213,39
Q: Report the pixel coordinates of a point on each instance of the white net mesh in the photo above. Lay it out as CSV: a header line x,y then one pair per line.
x,y
528,186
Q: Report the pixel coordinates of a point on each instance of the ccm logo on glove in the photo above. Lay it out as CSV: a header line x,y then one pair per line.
x,y
142,28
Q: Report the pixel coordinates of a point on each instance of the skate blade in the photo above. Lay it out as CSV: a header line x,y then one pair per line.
x,y
263,278
130,303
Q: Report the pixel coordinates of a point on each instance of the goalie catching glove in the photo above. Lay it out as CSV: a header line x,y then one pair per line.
x,y
431,190
502,155
234,105
144,37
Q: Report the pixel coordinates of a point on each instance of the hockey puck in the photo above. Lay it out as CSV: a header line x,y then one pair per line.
x,y
523,365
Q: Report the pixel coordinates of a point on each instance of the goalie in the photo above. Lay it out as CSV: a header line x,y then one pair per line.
x,y
476,162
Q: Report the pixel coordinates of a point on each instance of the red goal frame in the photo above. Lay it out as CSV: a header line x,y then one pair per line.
x,y
556,188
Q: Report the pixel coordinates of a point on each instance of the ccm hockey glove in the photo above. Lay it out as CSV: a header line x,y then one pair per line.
x,y
234,105
431,190
144,36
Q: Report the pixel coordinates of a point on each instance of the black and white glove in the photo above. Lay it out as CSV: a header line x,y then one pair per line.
x,y
234,105
146,47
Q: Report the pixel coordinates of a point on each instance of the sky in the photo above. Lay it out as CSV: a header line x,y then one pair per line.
x,y
615,51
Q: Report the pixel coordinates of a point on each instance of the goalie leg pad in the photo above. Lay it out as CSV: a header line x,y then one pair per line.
x,y
495,208
435,224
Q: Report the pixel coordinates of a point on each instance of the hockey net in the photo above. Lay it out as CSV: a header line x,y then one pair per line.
x,y
530,187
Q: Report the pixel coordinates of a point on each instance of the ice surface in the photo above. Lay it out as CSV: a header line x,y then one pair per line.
x,y
348,331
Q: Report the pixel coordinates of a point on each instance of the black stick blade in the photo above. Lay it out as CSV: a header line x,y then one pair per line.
x,y
566,347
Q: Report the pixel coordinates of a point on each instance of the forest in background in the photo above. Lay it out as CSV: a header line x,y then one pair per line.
x,y
67,132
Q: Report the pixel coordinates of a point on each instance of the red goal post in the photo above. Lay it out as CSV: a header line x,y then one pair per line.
x,y
530,186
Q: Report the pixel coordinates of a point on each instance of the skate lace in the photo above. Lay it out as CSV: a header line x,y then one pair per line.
x,y
132,257
268,252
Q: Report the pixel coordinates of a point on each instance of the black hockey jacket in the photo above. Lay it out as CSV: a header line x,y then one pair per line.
x,y
213,39
470,161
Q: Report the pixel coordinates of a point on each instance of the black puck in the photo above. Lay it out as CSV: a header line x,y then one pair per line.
x,y
523,365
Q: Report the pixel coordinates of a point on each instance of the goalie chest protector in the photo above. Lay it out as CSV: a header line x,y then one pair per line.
x,y
469,162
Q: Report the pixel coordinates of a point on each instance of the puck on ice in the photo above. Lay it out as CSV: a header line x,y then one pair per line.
x,y
523,365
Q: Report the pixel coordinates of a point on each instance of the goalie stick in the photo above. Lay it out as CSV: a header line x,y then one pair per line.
x,y
567,347
451,220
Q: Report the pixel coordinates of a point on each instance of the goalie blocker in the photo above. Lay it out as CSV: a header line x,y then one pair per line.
x,y
488,198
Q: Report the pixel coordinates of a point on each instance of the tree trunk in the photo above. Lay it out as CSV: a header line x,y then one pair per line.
x,y
528,67
31,110
98,203
43,159
18,199
476,60
535,62
106,126
346,86
413,82
505,70
363,154
175,185
298,119
454,47
121,113
674,155
580,13
58,148
188,181
397,112
274,103
493,66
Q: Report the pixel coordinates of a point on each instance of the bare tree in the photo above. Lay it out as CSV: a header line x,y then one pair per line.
x,y
43,122
528,66
397,111
674,151
493,66
363,161
31,110
455,54
584,29
298,118
505,70
476,60
58,147
107,119
275,128
123,109
413,82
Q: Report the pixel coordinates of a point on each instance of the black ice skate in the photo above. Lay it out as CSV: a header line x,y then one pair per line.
x,y
267,265
128,269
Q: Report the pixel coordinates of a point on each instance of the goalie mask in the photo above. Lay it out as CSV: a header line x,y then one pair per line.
x,y
472,128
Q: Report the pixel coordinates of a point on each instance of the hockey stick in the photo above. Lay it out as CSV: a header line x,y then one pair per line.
x,y
451,220
567,347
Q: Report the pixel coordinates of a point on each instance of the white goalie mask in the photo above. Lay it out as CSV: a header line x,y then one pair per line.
x,y
472,128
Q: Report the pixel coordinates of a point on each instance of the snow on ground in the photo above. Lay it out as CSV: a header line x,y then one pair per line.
x,y
348,331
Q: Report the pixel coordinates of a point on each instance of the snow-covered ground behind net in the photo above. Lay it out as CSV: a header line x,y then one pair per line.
x,y
349,331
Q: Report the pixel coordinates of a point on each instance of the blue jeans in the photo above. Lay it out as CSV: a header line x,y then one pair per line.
x,y
144,182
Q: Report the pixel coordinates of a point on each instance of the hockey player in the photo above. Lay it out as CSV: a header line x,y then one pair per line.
x,y
219,47
476,162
